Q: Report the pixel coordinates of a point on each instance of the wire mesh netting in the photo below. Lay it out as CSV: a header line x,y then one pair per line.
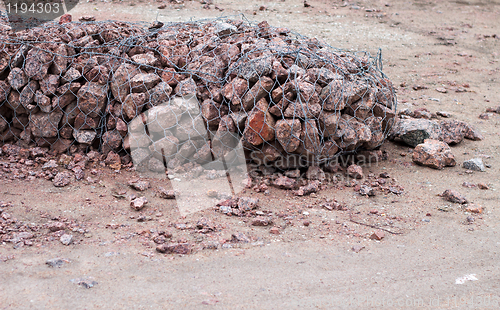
x,y
190,93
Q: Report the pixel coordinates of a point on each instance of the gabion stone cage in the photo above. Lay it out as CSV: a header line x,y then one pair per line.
x,y
190,92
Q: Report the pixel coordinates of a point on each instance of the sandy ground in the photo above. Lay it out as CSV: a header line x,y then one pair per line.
x,y
447,44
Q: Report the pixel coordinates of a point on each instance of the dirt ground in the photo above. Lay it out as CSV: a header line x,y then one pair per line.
x,y
429,243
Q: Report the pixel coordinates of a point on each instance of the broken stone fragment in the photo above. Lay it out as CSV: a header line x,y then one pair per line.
x,y
138,203
248,203
37,62
434,154
475,164
310,188
288,133
61,179
120,84
84,136
17,78
415,131
92,98
260,90
355,171
454,196
224,29
260,124
45,124
285,183
174,248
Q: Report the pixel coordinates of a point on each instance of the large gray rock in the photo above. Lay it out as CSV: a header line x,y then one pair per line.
x,y
413,131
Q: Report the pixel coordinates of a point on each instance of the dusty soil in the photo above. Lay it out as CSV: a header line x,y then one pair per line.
x,y
429,243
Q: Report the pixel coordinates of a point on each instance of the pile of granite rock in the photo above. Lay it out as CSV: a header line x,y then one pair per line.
x,y
189,92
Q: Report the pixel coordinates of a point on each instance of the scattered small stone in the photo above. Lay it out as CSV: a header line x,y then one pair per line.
x,y
484,116
444,114
239,237
166,193
66,239
210,245
355,171
377,235
66,18
247,182
138,203
204,225
139,185
493,109
85,282
422,113
56,262
306,223
442,90
174,248
468,185
453,196
50,164
274,231
159,239
396,190
315,173
312,187
248,203
445,208
113,160
181,226
87,18
61,179
483,186
261,221
56,226
285,183
357,248
472,208
212,193
384,175
475,164
210,302
79,173
226,210
366,190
